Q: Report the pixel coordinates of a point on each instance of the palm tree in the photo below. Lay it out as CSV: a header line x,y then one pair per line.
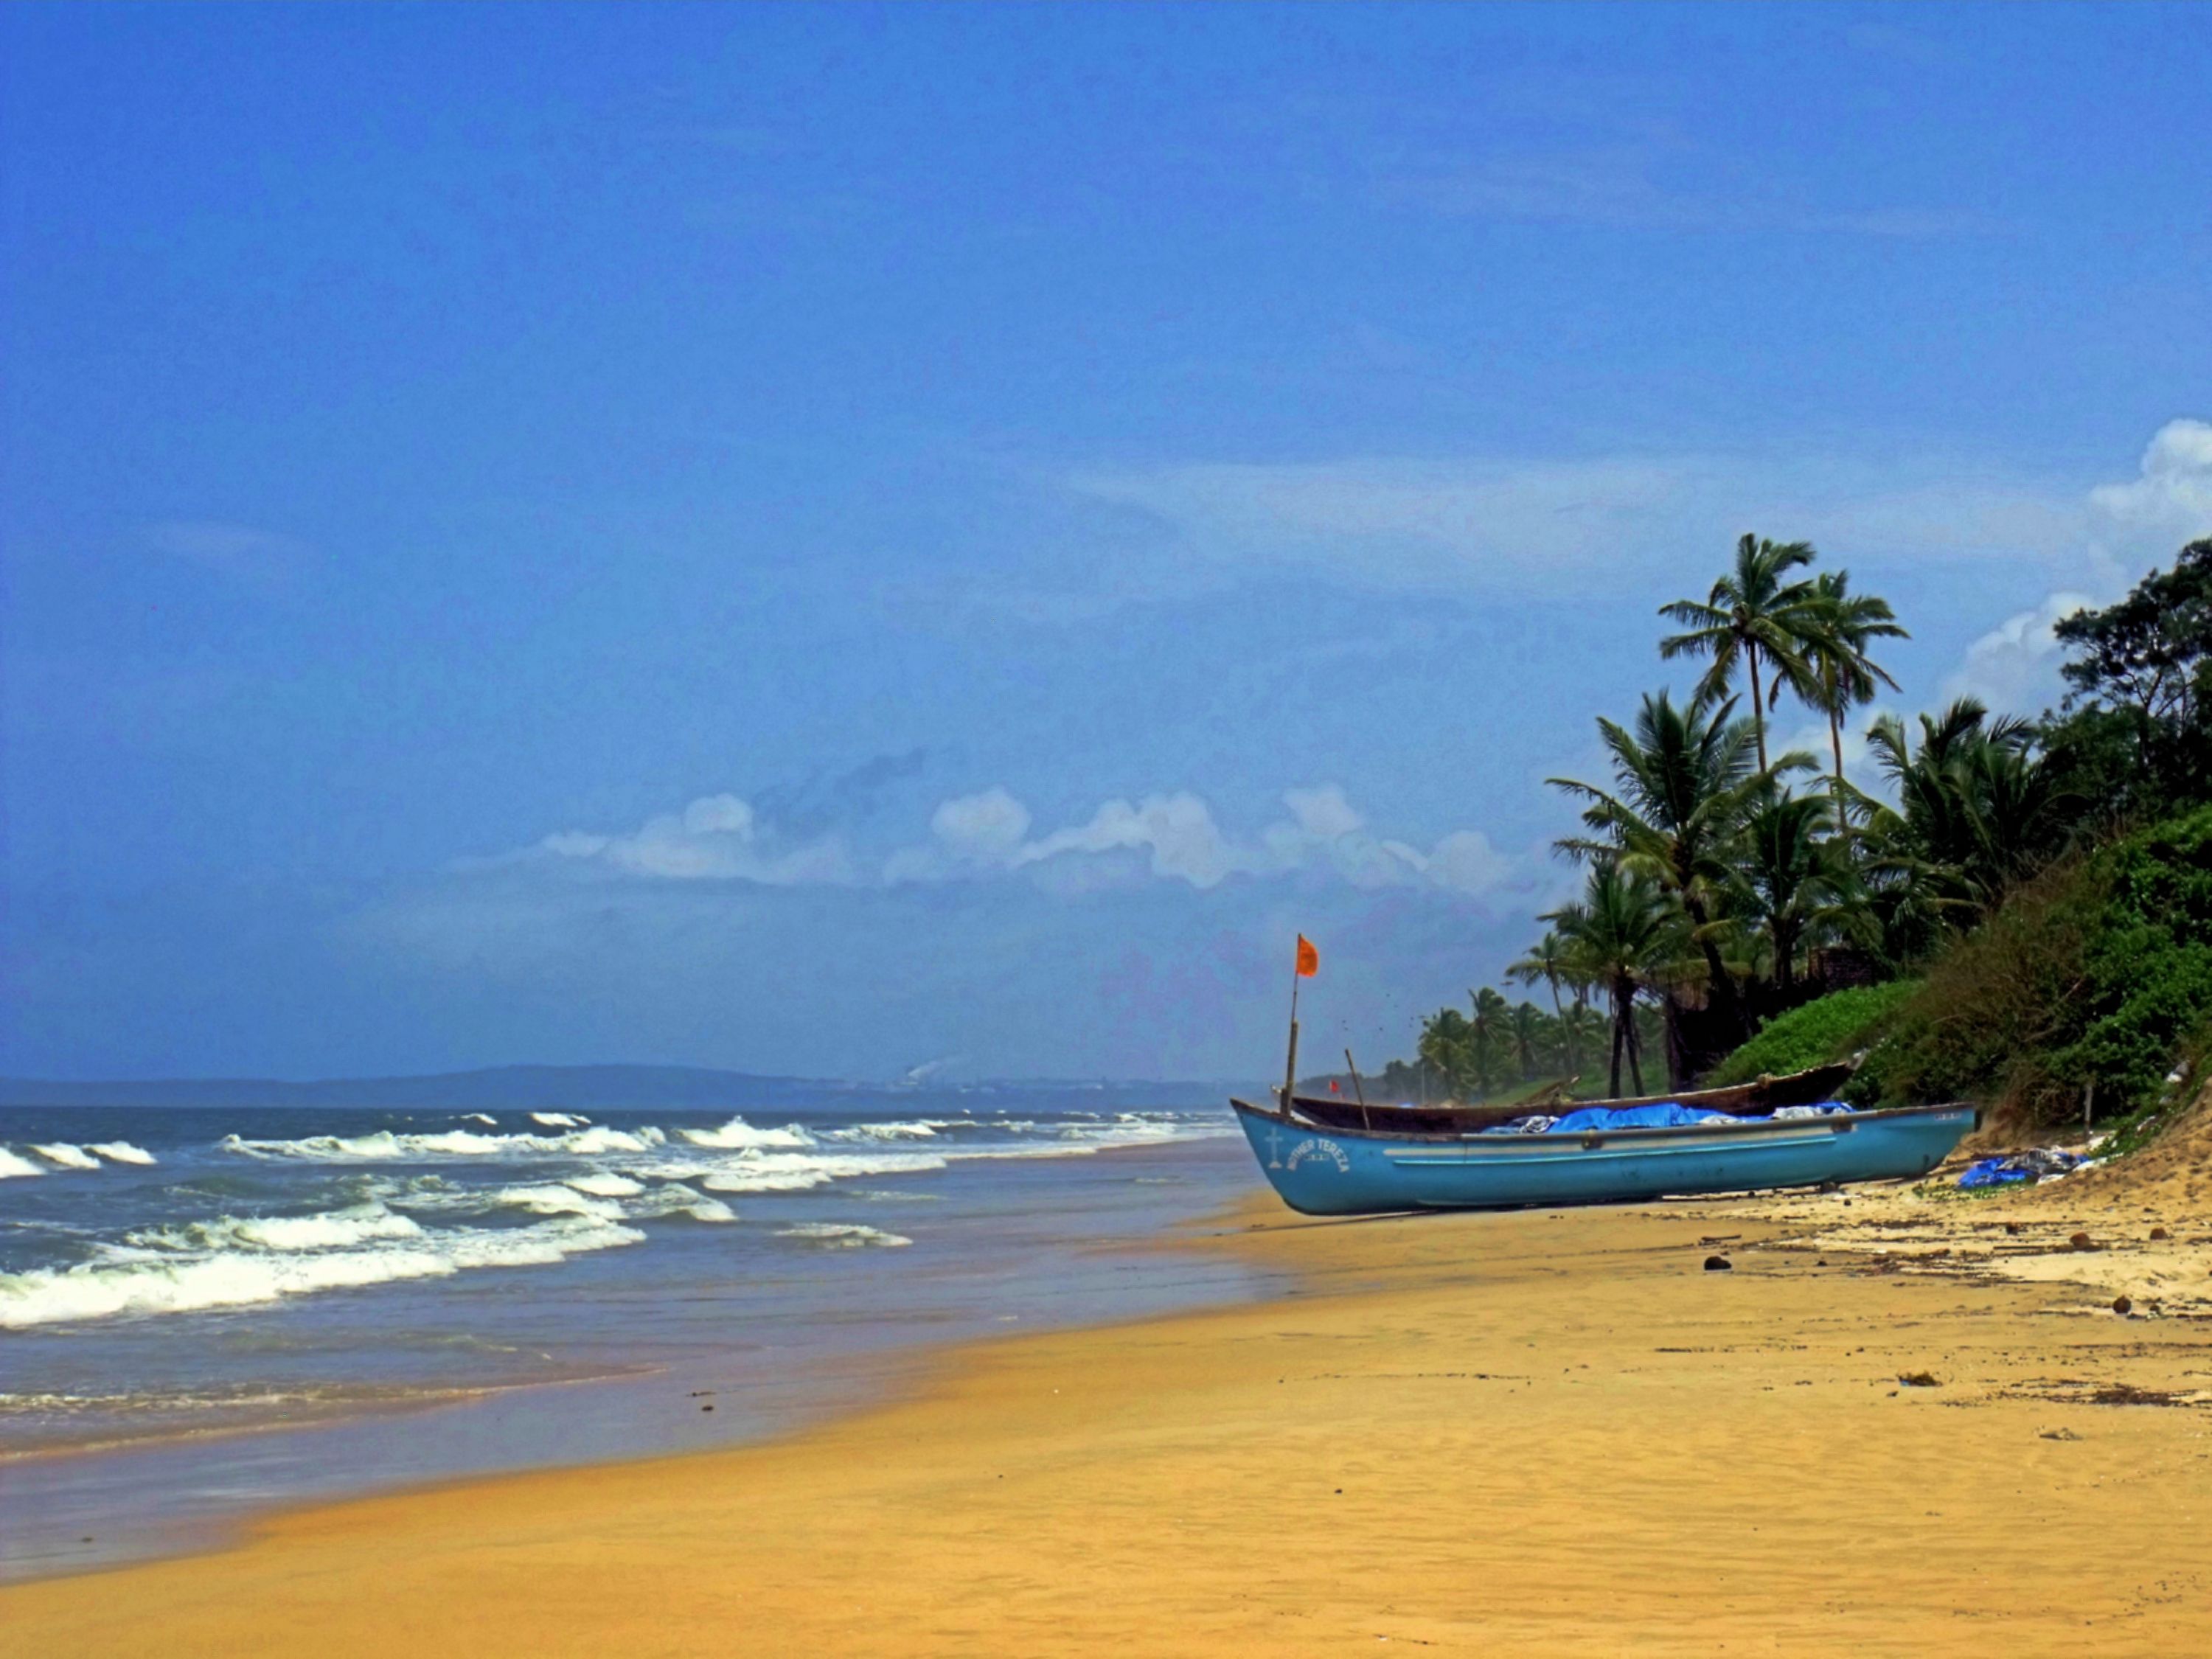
x,y
1444,1048
1792,879
1488,1027
1527,1025
1577,1022
1751,615
1543,961
1977,809
1683,782
1844,674
1616,933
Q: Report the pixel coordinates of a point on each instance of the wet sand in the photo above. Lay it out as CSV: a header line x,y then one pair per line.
x,y
1536,1433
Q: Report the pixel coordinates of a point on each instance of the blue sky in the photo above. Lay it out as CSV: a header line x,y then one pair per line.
x,y
822,540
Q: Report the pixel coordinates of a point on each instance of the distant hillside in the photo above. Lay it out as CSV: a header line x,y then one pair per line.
x,y
576,1087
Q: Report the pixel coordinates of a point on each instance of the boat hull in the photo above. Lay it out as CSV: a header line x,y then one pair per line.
x,y
1336,1171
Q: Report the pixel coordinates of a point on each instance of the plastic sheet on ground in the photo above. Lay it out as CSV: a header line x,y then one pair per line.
x,y
2032,1165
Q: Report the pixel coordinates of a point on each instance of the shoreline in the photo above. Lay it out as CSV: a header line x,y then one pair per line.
x,y
1539,1431
210,1484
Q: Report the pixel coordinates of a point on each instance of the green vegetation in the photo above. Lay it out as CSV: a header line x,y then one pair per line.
x,y
2023,914
2098,973
1829,1028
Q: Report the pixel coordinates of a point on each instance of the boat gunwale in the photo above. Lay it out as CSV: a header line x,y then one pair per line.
x,y
1590,1140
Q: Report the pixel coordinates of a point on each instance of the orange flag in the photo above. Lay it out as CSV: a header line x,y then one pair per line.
x,y
1308,957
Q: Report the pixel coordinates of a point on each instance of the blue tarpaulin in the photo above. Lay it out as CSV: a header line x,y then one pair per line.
x,y
2021,1166
1668,1115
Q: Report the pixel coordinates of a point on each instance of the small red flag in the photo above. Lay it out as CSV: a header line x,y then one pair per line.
x,y
1308,957
1335,1087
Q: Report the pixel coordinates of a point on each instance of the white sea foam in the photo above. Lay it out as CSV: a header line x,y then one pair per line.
x,y
605,1186
559,1120
68,1156
921,1131
120,1152
795,1172
485,1118
676,1199
386,1147
557,1198
363,1224
144,1283
843,1236
737,1135
12,1166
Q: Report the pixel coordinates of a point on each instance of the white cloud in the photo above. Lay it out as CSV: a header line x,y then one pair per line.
x,y
2172,496
2129,529
1163,837
1488,522
716,838
1175,837
1500,522
2014,668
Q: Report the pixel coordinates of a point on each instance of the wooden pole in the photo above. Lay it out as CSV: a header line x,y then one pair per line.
x,y
1290,1063
2089,1100
1357,1091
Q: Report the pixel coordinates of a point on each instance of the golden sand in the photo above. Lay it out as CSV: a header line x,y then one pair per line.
x,y
1536,1433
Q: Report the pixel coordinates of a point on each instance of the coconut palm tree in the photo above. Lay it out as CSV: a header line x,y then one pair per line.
x,y
1977,809
1578,1024
1752,615
1492,1014
1445,1047
1616,934
1844,675
1792,877
1542,963
1527,1025
1683,782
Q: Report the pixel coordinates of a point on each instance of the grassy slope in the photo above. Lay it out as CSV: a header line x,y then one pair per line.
x,y
1825,1029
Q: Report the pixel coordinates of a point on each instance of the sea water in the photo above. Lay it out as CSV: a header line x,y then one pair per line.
x,y
205,1310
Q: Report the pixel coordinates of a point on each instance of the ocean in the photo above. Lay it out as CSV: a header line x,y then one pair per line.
x,y
207,1310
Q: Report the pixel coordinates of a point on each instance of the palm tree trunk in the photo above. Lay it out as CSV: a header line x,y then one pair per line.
x,y
1720,989
1619,1037
1635,1047
1566,1038
1836,742
1757,705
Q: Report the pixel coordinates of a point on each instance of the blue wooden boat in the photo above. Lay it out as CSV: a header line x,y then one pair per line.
x,y
1330,1158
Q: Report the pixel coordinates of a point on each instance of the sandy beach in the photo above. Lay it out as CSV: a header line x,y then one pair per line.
x,y
1540,1433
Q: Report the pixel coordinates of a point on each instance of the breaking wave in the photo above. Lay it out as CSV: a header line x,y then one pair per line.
x,y
120,1152
386,1147
258,1265
606,1185
798,1172
333,1230
12,1166
67,1157
925,1130
737,1135
559,1120
676,1199
843,1236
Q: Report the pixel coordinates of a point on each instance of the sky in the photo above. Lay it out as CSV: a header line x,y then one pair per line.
x,y
829,541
